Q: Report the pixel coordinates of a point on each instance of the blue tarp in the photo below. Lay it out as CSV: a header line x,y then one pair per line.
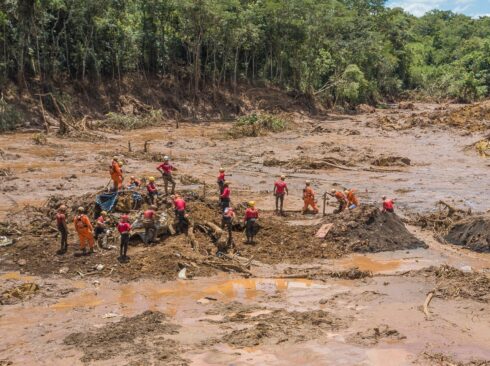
x,y
106,201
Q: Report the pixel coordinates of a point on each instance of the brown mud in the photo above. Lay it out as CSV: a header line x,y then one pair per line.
x,y
353,298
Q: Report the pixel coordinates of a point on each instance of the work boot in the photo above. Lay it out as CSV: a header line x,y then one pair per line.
x,y
91,251
84,251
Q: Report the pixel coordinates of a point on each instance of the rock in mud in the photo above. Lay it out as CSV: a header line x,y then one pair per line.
x,y
367,229
140,337
472,233
373,336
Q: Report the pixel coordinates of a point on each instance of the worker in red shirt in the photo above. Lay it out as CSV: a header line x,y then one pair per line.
x,y
180,205
152,190
116,174
149,223
388,205
62,229
124,228
341,199
251,217
280,190
100,228
224,197
221,180
166,169
309,198
85,231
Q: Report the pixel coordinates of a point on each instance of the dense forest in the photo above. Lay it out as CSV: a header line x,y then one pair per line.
x,y
343,51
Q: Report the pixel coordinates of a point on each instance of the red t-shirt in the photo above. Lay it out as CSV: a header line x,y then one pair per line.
x,y
388,204
179,204
221,176
151,187
226,193
251,213
166,167
60,218
148,214
124,227
280,187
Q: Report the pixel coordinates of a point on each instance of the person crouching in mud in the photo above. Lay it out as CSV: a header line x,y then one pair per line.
x,y
251,217
124,228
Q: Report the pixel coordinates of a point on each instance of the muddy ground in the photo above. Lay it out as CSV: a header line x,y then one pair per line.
x,y
354,297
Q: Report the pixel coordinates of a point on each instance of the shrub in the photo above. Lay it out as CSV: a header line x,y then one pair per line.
x,y
258,124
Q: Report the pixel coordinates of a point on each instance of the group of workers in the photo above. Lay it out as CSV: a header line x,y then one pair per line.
x,y
88,234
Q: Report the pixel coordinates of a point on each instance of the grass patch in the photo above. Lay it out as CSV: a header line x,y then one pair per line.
x,y
258,124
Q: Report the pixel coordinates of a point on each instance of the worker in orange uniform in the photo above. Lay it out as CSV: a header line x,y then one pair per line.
x,y
85,231
352,200
116,175
221,180
280,190
251,217
309,198
388,205
341,199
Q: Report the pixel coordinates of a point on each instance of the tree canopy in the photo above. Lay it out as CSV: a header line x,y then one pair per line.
x,y
349,51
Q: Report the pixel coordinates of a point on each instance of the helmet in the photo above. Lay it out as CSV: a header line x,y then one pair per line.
x,y
132,177
151,179
166,158
346,191
283,177
251,203
80,209
221,170
307,182
120,163
62,208
114,157
227,183
103,213
153,207
384,197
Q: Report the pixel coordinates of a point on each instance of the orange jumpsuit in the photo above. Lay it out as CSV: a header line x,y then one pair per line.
x,y
116,175
309,199
85,231
352,198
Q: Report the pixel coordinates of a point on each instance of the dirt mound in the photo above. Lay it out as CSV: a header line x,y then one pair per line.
x,y
372,336
281,326
452,283
391,161
474,117
141,337
472,233
367,229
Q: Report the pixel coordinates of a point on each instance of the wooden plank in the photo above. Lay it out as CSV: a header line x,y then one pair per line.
x,y
323,231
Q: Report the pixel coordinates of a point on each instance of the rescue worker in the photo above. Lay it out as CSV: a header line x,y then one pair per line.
x,y
124,228
84,230
166,169
152,190
280,190
309,198
227,223
62,229
149,223
116,175
224,197
251,217
341,199
221,180
134,183
388,205
100,228
180,205
352,200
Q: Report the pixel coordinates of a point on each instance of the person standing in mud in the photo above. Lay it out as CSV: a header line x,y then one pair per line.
x,y
221,180
251,217
124,228
62,229
149,219
116,174
388,205
152,190
227,223
280,190
101,228
309,198
224,197
85,231
166,170
180,206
